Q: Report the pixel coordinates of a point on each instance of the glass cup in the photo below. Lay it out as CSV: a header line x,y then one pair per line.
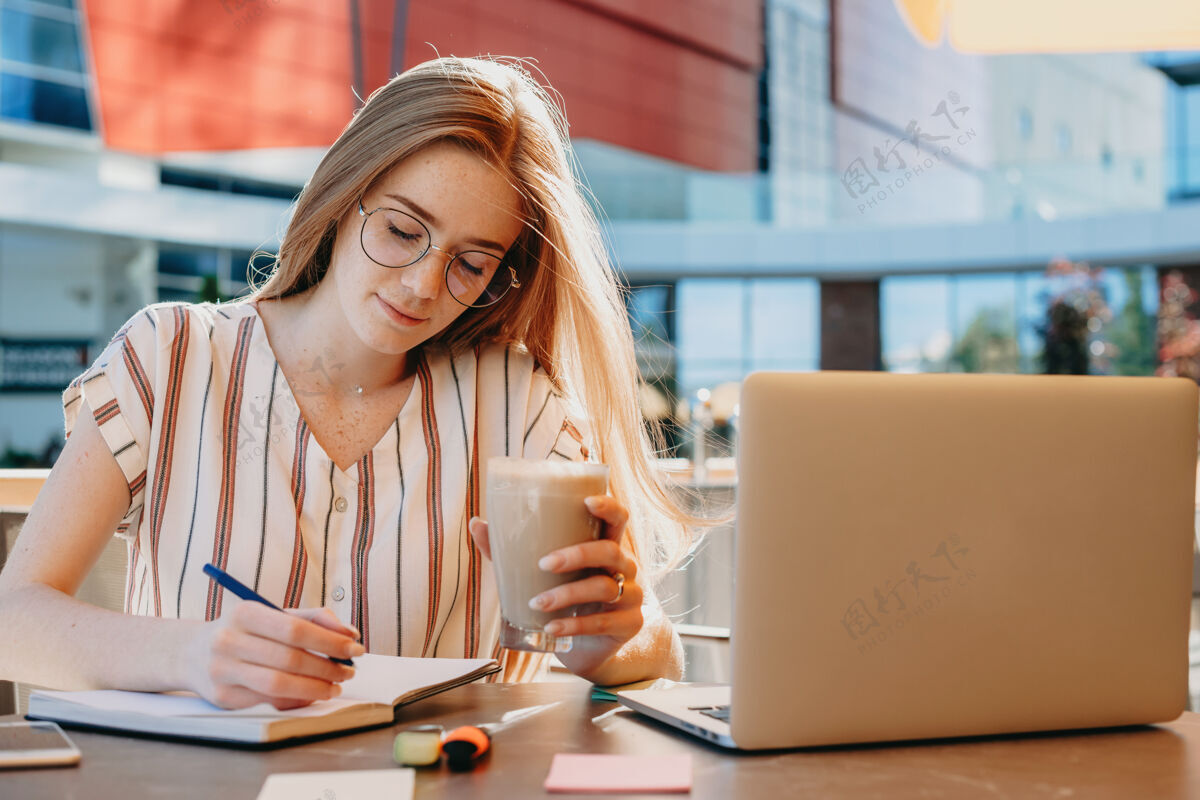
x,y
533,509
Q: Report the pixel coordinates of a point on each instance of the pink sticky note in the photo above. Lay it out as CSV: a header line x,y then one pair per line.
x,y
582,772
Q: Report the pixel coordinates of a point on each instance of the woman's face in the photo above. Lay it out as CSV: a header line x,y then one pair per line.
x,y
464,203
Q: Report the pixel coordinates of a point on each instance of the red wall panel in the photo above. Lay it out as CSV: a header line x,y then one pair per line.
x,y
728,30
233,74
642,85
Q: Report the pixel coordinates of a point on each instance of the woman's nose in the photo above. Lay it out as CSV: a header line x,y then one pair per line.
x,y
424,278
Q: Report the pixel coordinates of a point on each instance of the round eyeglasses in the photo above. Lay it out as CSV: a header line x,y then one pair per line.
x,y
392,238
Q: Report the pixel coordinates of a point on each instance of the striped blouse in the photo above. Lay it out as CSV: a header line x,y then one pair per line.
x,y
223,468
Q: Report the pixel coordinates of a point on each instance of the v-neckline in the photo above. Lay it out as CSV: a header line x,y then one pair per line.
x,y
351,471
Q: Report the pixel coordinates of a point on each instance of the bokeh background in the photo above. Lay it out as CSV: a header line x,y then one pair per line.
x,y
785,184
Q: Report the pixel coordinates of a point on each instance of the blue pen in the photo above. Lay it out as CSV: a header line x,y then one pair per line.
x,y
231,583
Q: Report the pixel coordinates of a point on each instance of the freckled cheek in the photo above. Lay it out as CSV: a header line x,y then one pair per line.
x,y
357,297
364,281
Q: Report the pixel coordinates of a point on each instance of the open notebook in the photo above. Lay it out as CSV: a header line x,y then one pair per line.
x,y
370,698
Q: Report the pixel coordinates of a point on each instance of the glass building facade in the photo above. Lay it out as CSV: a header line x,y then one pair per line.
x,y
44,75
998,322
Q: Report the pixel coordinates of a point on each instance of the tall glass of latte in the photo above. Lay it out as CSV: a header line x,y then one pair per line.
x,y
533,509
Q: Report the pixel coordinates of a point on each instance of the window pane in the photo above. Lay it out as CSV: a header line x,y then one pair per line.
x,y
1036,290
785,324
174,177
915,322
649,309
1116,323
168,294
710,326
1133,331
31,100
187,261
1191,146
38,40
250,267
260,189
985,330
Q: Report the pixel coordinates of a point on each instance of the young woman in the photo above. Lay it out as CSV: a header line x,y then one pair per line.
x,y
442,296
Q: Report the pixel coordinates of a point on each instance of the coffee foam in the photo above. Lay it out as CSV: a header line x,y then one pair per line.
x,y
516,468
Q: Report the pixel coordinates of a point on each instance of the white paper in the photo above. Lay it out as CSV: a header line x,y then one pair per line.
x,y
371,784
156,705
378,679
384,679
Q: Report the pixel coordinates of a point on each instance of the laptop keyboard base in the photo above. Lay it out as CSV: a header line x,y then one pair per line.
x,y
716,712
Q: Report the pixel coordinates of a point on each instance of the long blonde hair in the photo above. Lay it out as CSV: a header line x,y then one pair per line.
x,y
569,312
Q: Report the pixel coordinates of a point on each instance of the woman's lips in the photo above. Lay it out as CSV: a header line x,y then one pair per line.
x,y
398,316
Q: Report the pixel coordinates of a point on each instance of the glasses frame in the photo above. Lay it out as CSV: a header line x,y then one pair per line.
x,y
513,283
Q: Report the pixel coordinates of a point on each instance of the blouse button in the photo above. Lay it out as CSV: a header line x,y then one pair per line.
x,y
338,593
340,504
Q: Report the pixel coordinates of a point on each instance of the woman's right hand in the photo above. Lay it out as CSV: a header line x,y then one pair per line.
x,y
255,654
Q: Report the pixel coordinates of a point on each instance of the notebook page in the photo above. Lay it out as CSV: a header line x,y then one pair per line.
x,y
188,705
385,679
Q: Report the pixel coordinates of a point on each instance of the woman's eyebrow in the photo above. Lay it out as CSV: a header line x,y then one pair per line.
x,y
432,220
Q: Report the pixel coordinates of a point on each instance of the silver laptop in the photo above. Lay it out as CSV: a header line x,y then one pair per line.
x,y
925,556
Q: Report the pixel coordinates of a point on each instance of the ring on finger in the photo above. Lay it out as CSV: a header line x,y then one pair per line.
x,y
619,579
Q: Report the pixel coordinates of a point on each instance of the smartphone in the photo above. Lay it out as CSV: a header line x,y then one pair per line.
x,y
35,744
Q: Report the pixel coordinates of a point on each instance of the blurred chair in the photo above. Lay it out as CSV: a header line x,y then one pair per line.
x,y
706,652
104,585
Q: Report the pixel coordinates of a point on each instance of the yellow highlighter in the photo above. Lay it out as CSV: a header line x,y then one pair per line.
x,y
419,746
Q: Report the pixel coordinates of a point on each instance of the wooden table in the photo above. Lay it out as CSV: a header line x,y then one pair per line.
x,y
19,487
18,490
1159,762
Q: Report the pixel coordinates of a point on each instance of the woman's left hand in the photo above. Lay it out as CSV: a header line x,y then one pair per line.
x,y
610,599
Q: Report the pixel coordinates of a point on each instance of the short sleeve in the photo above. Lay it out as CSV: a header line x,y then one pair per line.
x,y
119,389
555,428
